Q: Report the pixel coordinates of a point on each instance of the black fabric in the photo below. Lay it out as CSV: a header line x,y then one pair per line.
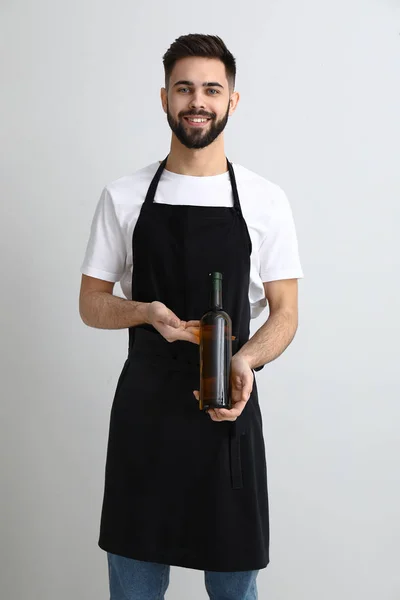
x,y
181,489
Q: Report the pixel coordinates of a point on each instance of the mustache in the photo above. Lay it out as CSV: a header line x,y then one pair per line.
x,y
197,113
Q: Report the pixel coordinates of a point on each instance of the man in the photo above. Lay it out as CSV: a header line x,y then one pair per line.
x,y
183,487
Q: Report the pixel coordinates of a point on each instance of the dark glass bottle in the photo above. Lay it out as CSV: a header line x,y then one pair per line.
x,y
215,351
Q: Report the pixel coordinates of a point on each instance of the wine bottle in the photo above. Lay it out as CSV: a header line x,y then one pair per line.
x,y
215,351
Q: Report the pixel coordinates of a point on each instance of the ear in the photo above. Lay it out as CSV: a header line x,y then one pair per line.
x,y
164,99
233,102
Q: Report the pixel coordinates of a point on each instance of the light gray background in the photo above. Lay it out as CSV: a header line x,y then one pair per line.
x,y
319,115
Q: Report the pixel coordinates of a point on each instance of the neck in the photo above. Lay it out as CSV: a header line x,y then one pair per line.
x,y
206,162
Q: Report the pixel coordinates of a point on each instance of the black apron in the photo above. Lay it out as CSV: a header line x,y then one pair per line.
x,y
181,489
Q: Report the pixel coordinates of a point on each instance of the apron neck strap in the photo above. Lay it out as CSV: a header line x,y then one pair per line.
x,y
236,201
151,192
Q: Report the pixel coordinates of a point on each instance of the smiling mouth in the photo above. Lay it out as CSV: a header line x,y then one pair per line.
x,y
197,121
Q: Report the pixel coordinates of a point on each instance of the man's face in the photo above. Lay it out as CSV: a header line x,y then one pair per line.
x,y
198,101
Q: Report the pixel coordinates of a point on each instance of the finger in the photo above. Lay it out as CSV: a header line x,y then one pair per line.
x,y
193,324
169,320
173,322
240,396
221,414
213,414
196,395
196,334
187,336
247,389
225,414
237,392
235,411
241,388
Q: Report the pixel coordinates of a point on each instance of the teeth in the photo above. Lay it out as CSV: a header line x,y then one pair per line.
x,y
198,120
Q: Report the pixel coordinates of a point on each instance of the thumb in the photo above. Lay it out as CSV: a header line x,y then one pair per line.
x,y
170,318
247,386
173,321
237,388
246,392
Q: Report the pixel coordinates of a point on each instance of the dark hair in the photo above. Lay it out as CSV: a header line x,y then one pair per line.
x,y
201,45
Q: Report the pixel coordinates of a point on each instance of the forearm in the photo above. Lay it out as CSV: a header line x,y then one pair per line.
x,y
106,311
271,339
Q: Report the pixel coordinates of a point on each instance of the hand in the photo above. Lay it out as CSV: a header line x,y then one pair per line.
x,y
242,379
170,326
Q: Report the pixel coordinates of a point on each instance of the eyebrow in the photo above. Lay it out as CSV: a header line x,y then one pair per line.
x,y
206,84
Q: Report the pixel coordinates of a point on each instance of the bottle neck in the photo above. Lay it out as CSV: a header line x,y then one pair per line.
x,y
216,293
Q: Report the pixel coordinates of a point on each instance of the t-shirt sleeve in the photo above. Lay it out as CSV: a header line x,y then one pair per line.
x,y
105,255
279,254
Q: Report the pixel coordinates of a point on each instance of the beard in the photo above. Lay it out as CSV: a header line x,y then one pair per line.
x,y
197,138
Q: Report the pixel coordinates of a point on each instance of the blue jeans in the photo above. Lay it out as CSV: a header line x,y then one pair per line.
x,y
135,580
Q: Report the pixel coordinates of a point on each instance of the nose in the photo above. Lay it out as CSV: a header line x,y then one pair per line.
x,y
197,100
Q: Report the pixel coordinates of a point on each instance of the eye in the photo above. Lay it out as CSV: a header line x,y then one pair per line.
x,y
183,89
215,92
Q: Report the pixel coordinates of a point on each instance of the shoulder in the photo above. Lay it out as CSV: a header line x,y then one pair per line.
x,y
259,193
130,190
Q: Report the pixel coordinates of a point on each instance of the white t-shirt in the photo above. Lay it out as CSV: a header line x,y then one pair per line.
x,y
264,205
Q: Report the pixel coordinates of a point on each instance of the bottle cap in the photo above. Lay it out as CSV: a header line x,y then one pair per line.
x,y
216,275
